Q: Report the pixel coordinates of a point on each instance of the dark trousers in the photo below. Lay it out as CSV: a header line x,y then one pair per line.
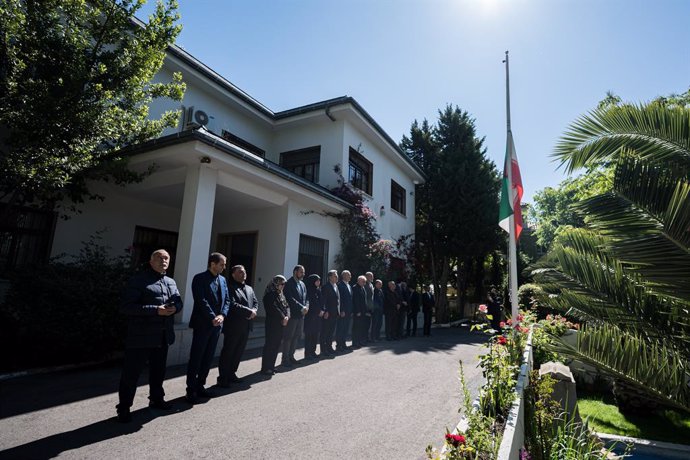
x,y
135,360
327,330
274,335
412,323
400,325
291,335
391,325
376,322
358,331
427,322
311,338
234,342
366,325
342,328
201,354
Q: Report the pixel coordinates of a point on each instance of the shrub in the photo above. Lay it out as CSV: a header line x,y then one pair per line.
x,y
65,311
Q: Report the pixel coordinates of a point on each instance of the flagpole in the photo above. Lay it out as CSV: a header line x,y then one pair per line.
x,y
512,251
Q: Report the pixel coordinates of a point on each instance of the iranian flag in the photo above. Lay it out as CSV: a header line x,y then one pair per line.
x,y
511,191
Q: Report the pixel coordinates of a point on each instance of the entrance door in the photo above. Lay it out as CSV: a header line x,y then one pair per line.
x,y
240,249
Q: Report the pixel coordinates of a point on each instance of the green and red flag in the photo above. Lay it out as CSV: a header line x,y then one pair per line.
x,y
511,191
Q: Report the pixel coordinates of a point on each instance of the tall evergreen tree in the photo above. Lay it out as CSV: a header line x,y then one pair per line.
x,y
457,207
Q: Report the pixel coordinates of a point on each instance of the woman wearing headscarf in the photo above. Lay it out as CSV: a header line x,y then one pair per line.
x,y
277,315
312,322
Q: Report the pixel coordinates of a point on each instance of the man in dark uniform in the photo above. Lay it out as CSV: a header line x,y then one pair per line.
x,y
331,301
149,302
359,311
243,307
211,306
427,309
295,292
344,320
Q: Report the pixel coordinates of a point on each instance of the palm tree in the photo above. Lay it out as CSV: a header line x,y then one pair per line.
x,y
627,274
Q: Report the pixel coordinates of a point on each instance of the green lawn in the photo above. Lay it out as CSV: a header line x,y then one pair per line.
x,y
604,416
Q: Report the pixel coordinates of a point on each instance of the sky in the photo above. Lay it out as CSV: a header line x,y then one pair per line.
x,y
403,60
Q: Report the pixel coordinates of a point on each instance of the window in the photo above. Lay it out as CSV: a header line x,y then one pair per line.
x,y
25,236
398,197
313,255
360,171
303,162
146,240
238,141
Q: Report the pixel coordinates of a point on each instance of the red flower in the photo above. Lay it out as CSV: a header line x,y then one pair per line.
x,y
523,329
455,439
510,321
483,308
520,318
502,340
502,324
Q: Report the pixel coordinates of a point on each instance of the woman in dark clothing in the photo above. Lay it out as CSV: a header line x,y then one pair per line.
x,y
312,322
277,315
495,310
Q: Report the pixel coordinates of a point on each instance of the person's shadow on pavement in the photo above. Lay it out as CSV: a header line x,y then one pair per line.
x,y
54,445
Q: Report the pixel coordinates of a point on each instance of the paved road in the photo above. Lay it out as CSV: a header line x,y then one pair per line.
x,y
386,401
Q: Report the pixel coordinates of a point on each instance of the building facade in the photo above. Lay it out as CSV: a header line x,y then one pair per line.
x,y
237,178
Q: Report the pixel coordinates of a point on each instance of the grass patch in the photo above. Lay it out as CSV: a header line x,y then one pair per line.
x,y
664,425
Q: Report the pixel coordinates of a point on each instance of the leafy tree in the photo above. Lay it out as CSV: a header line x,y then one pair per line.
x,y
75,88
457,207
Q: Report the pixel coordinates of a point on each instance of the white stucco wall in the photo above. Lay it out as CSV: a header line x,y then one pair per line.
x,y
319,131
393,224
118,215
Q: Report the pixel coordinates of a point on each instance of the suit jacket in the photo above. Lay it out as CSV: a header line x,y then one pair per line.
x,y
243,303
211,298
345,297
369,289
359,300
296,294
427,301
145,292
331,299
413,303
390,300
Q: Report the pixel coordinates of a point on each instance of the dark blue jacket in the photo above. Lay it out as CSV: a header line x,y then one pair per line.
x,y
207,305
345,298
359,300
145,292
294,298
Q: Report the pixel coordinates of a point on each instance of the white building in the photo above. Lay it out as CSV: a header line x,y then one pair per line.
x,y
253,185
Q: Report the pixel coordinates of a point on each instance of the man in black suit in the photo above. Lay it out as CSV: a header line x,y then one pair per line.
x,y
149,302
391,308
296,294
343,326
243,307
331,300
211,306
359,312
427,309
412,311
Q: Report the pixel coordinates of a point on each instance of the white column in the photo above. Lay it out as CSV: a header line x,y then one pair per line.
x,y
196,221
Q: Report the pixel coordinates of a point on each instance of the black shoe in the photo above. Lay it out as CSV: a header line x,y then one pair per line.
x,y
160,404
293,360
268,372
235,379
204,393
124,416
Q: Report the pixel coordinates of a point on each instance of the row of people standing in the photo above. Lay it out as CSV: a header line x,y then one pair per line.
x,y
323,313
328,312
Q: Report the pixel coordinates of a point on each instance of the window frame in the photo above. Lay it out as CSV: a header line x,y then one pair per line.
x,y
363,169
292,160
398,196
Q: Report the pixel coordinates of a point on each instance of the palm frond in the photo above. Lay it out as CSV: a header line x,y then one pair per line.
x,y
646,223
654,132
652,366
